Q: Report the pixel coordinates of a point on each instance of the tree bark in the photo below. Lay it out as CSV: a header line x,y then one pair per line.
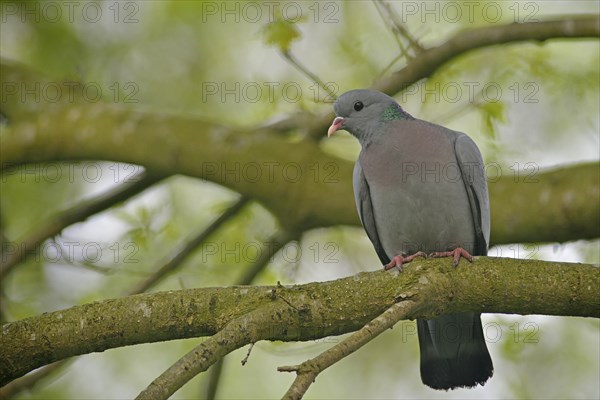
x,y
427,62
301,312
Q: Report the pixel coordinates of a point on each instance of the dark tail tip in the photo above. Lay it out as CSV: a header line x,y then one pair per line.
x,y
450,361
446,374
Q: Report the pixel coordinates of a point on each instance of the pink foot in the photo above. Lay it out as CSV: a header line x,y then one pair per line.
x,y
399,260
456,254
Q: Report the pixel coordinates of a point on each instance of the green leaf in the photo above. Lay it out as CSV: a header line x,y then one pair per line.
x,y
280,33
492,113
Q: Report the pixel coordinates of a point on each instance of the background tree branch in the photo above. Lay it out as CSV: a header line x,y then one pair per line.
x,y
300,183
525,206
319,196
430,60
15,252
302,312
167,268
315,196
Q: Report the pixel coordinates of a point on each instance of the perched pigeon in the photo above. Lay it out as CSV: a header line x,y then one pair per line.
x,y
420,188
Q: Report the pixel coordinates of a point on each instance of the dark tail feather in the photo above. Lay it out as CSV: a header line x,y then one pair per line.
x,y
453,352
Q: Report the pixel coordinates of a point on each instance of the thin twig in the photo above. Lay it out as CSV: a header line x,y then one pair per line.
x,y
245,359
234,335
400,33
30,380
307,371
286,301
31,242
175,262
294,61
398,26
389,66
431,59
380,8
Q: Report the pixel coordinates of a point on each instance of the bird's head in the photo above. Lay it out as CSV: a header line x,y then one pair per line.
x,y
362,112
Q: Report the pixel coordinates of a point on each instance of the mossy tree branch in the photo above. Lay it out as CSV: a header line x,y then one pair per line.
x,y
430,60
302,312
302,185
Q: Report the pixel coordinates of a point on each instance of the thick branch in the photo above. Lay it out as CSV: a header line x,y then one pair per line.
x,y
302,312
303,186
525,205
287,174
428,61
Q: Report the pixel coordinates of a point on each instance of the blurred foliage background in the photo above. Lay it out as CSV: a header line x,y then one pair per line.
x,y
167,57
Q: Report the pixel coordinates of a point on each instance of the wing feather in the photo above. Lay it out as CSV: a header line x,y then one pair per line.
x,y
364,206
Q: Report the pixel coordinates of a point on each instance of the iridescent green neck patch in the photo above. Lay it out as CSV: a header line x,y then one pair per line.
x,y
394,112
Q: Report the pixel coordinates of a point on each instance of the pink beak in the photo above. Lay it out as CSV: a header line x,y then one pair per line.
x,y
335,125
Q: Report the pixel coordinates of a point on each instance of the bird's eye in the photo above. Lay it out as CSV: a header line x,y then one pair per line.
x,y
358,106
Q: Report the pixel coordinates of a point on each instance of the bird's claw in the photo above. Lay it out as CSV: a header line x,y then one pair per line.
x,y
456,254
399,260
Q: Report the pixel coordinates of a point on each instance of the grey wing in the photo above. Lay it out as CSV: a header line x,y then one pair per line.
x,y
364,206
472,170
